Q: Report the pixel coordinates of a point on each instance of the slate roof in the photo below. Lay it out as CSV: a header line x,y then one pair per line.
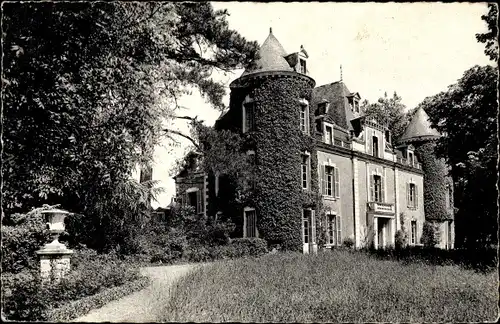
x,y
272,57
336,94
419,128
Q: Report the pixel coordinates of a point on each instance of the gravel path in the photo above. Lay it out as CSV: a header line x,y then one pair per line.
x,y
141,306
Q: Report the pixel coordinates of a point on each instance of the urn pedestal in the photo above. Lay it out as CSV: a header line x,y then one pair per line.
x,y
54,256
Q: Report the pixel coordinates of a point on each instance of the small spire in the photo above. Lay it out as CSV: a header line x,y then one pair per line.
x,y
340,72
270,30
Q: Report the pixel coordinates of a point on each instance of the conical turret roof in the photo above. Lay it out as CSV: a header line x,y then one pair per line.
x,y
272,57
419,128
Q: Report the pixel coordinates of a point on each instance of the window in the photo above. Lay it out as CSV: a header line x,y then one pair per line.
x,y
303,68
249,117
388,136
356,106
305,171
308,226
251,157
328,135
250,223
194,199
304,118
413,232
377,189
412,195
330,181
375,146
322,108
306,229
410,158
334,232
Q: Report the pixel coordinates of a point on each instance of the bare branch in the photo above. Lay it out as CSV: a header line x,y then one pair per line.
x,y
185,136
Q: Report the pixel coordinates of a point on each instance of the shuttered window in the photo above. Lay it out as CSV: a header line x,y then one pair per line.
x,y
334,229
412,195
330,183
376,188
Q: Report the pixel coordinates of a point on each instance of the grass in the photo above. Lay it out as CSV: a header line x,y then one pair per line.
x,y
336,286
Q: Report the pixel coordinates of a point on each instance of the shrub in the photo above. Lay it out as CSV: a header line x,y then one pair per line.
x,y
244,247
348,242
27,299
429,238
25,234
400,239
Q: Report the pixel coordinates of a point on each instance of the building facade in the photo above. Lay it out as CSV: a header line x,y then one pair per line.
x,y
325,175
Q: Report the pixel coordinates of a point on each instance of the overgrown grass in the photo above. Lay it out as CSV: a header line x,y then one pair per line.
x,y
336,286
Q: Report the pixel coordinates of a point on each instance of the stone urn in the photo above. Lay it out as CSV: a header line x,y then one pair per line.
x,y
55,224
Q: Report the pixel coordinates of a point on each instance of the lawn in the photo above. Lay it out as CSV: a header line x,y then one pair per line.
x,y
336,286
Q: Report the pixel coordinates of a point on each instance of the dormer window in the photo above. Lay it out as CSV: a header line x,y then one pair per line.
x,y
322,108
303,68
328,134
375,146
354,102
410,158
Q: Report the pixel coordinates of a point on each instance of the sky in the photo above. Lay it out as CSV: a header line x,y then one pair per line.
x,y
415,49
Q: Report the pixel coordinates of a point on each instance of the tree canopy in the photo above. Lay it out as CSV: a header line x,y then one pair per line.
x,y
389,111
490,38
88,89
466,116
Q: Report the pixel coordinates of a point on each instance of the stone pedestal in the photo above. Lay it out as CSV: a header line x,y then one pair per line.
x,y
54,264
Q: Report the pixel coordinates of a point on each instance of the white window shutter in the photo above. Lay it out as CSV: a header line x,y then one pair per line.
x,y
337,185
382,188
372,188
407,194
369,139
416,196
313,227
323,179
339,230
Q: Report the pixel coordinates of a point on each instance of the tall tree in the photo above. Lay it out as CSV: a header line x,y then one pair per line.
x,y
490,38
466,116
88,90
389,112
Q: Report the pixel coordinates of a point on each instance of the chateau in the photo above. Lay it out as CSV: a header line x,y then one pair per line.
x,y
324,174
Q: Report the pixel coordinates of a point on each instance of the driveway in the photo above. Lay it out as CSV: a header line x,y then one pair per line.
x,y
141,306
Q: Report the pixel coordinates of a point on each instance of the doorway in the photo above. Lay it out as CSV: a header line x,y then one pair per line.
x,y
383,232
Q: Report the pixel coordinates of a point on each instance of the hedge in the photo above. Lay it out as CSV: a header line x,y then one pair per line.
x,y
85,305
25,298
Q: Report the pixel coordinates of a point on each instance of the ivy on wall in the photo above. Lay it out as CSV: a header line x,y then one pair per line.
x,y
436,182
278,144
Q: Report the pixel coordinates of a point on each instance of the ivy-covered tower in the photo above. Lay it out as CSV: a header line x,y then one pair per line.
x,y
438,185
269,105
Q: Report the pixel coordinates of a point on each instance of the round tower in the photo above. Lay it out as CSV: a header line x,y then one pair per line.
x,y
269,104
438,185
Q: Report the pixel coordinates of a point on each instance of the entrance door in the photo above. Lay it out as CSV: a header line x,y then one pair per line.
x,y
383,232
